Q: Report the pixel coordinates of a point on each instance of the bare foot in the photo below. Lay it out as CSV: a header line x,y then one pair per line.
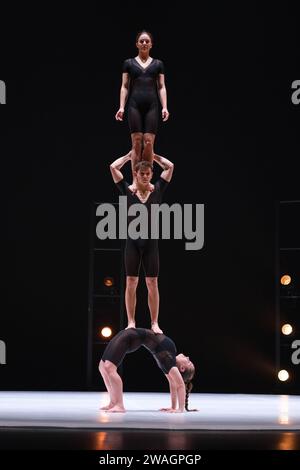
x,y
116,409
131,324
107,407
155,328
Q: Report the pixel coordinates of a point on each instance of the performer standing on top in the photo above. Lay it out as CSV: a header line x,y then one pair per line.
x,y
144,77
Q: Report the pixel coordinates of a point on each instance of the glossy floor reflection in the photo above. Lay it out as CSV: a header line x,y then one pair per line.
x,y
62,439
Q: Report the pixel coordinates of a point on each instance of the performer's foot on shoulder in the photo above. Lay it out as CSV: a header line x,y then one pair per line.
x,y
131,324
155,328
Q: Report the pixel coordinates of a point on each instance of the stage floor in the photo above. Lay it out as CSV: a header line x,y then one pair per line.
x,y
80,410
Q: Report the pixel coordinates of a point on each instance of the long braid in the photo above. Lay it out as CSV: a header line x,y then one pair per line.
x,y
187,376
188,389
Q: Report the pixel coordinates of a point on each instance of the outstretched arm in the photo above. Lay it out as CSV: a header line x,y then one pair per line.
x,y
167,166
177,390
173,393
117,165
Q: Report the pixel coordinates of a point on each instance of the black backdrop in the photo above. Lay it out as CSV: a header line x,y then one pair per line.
x,y
232,134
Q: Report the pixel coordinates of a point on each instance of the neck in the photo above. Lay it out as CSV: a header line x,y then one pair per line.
x,y
142,188
144,56
178,363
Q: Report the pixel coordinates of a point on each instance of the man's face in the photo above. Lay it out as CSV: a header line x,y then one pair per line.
x,y
144,176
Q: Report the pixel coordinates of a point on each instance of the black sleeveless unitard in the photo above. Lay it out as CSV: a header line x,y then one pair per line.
x,y
142,251
143,98
161,347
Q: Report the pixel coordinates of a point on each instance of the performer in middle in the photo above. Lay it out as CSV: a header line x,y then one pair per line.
x,y
142,250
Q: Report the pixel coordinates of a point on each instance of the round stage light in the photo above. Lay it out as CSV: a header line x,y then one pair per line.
x,y
106,332
283,375
108,281
285,280
287,329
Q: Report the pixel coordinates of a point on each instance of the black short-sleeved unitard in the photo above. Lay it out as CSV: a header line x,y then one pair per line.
x,y
142,251
143,98
161,347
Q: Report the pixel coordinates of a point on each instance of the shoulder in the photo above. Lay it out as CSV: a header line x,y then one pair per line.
x,y
174,375
170,345
126,64
160,65
122,185
161,183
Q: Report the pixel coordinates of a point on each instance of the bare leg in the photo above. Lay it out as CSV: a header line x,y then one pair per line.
x,y
136,151
148,152
153,302
108,386
116,387
130,299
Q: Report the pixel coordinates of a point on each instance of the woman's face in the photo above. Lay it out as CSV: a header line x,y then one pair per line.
x,y
185,361
144,43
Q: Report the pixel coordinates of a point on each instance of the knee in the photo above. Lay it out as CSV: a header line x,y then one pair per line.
x,y
152,283
132,282
106,367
